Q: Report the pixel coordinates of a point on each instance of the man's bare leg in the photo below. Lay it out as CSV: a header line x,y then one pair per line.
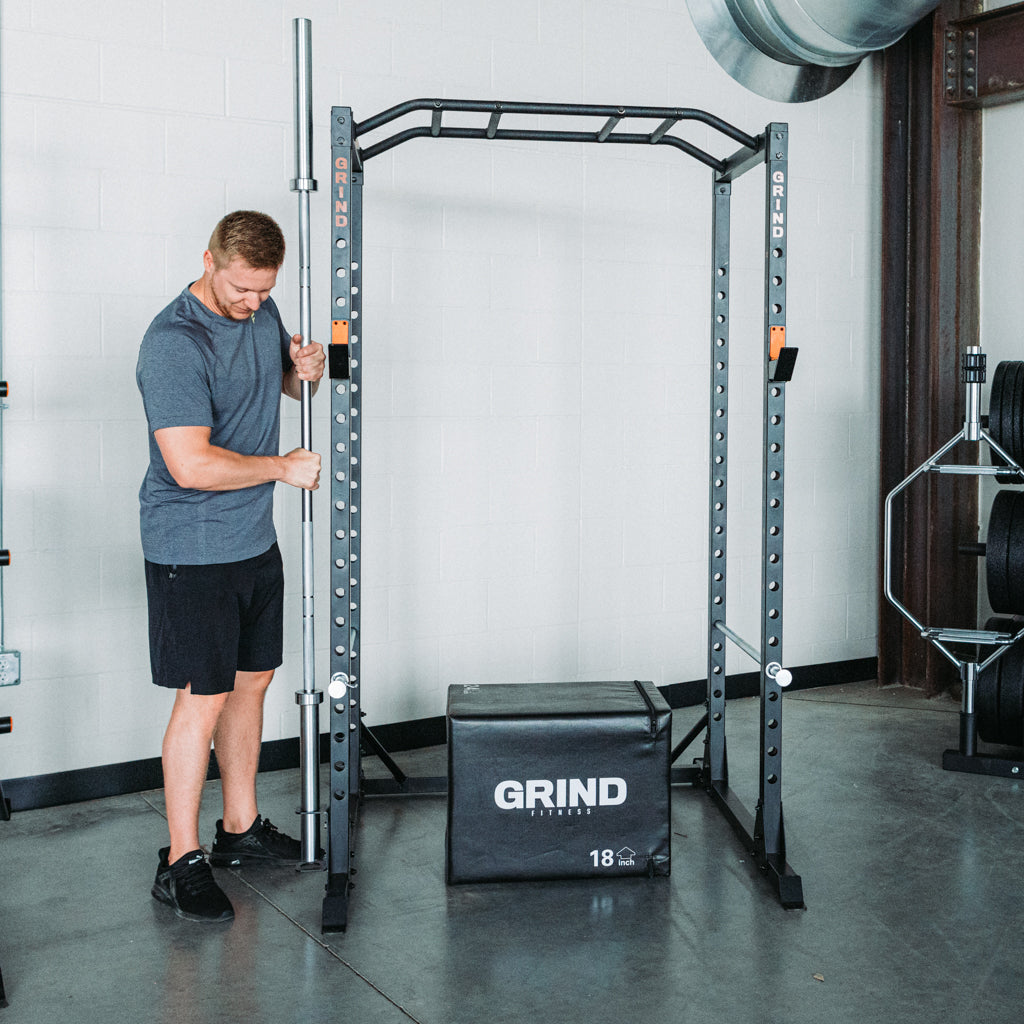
x,y
186,758
237,740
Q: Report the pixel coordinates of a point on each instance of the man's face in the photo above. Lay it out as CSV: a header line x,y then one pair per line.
x,y
238,290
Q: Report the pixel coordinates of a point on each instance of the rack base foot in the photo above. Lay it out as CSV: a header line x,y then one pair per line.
x,y
407,786
687,775
786,883
783,879
334,916
982,764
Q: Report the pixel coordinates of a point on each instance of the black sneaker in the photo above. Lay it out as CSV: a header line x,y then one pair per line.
x,y
261,843
188,886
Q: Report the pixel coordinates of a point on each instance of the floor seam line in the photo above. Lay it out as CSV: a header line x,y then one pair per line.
x,y
327,948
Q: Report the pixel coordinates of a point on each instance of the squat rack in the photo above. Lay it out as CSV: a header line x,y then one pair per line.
x,y
763,831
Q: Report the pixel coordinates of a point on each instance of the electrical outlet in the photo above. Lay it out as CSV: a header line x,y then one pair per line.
x,y
10,668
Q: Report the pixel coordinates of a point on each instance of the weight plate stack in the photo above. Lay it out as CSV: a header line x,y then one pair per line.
x,y
1012,430
999,691
997,548
986,688
1004,553
1011,697
995,408
1006,414
1015,556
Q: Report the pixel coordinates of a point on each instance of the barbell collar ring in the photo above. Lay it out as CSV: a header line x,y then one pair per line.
x,y
308,697
303,184
972,366
972,375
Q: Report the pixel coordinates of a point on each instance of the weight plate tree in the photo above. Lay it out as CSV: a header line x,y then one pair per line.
x,y
1000,691
762,832
992,683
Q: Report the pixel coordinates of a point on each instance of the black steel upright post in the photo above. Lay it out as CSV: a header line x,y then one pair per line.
x,y
5,814
769,832
5,804
716,766
345,375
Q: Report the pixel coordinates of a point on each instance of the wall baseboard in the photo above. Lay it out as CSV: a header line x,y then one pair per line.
x,y
37,791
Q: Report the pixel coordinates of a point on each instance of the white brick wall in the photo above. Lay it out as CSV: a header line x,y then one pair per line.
x,y
535,322
1002,239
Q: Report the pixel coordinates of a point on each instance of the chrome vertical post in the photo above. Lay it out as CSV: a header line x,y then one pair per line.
x,y
309,698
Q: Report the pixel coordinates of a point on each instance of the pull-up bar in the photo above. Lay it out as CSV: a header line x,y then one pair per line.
x,y
668,118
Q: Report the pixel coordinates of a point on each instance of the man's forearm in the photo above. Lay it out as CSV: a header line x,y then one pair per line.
x,y
219,469
291,385
198,465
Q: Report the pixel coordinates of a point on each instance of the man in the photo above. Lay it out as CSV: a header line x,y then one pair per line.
x,y
211,369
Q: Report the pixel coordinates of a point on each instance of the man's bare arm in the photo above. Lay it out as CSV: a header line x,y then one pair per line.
x,y
198,465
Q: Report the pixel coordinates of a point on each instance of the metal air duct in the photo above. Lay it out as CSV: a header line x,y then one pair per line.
x,y
797,50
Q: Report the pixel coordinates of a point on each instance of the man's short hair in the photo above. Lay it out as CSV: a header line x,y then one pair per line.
x,y
248,235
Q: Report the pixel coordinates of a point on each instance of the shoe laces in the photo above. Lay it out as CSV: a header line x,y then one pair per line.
x,y
267,828
196,877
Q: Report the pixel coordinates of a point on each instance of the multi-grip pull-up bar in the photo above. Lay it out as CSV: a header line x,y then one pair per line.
x,y
668,118
762,831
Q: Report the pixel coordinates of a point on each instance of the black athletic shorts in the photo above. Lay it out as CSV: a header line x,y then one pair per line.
x,y
207,622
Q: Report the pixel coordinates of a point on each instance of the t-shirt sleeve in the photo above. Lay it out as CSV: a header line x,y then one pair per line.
x,y
286,338
286,344
173,380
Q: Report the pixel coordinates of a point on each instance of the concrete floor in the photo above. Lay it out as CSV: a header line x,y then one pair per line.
x,y
913,878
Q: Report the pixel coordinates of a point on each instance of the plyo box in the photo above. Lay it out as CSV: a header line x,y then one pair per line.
x,y
557,780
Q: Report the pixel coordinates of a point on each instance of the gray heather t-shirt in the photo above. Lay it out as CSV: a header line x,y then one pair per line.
x,y
199,369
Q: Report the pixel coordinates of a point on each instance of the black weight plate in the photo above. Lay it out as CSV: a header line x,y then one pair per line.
x,y
997,543
1009,665
986,701
1015,434
1009,397
1011,698
995,411
1008,405
994,733
1015,557
986,689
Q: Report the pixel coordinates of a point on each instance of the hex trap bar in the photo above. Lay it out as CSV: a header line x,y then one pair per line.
x,y
762,832
967,757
